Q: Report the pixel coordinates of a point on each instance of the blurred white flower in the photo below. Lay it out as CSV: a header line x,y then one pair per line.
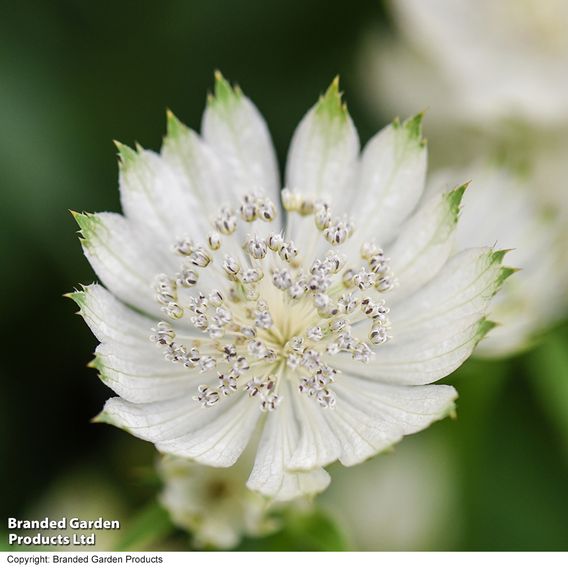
x,y
475,61
406,500
492,76
281,320
213,504
500,207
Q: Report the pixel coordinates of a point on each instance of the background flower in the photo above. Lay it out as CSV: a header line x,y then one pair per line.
x,y
497,101
476,62
538,295
405,500
214,504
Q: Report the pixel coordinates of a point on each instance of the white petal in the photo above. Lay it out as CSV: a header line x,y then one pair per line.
x,y
279,438
317,445
323,153
124,257
234,128
463,288
189,156
213,436
390,180
142,376
425,242
110,320
322,163
437,328
423,358
370,417
159,197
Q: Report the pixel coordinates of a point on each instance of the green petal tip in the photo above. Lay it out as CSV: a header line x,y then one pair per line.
x,y
505,273
497,256
126,155
87,223
224,93
174,126
331,105
78,296
454,198
484,327
413,127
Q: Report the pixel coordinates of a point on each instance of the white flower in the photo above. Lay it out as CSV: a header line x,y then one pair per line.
x,y
502,207
405,500
214,504
287,327
475,60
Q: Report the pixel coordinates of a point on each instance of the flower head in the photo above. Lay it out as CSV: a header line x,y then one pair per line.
x,y
290,319
476,61
213,503
404,500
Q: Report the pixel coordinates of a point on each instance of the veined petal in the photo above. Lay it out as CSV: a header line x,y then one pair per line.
x,y
109,319
212,436
143,377
323,154
124,257
391,179
269,475
463,288
370,417
157,196
426,358
317,445
188,155
425,242
234,128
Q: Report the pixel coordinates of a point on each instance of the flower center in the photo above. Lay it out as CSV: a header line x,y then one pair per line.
x,y
250,309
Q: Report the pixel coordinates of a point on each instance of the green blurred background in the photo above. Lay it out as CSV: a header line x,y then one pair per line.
x,y
76,75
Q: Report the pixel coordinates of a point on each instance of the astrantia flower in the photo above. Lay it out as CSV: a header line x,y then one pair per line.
x,y
405,500
476,61
502,207
295,323
214,504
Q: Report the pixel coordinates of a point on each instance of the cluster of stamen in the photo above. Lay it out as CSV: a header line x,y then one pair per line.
x,y
273,317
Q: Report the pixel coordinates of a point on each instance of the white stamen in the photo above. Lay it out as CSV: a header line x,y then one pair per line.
x,y
251,323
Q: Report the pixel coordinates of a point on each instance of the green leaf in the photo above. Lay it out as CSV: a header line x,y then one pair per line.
x,y
146,528
312,531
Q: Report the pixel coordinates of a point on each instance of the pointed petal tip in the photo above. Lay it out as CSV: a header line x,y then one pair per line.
x,y
484,326
85,221
331,105
455,197
126,155
174,126
78,296
106,417
497,256
413,127
101,418
224,93
504,273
